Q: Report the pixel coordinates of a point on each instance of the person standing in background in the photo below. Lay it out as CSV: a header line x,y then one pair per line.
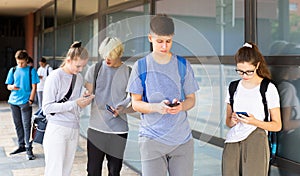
x,y
21,81
62,132
30,61
43,71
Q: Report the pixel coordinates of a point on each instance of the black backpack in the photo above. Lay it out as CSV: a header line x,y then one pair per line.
x,y
272,136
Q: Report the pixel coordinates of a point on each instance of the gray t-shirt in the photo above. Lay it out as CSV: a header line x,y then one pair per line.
x,y
56,87
163,82
110,89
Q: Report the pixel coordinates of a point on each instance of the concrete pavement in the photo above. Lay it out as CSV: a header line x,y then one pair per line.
x,y
18,165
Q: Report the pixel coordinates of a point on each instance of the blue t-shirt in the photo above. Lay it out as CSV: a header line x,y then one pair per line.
x,y
20,78
163,83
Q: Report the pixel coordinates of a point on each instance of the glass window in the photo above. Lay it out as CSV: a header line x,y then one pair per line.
x,y
279,34
293,6
87,33
48,50
288,82
278,26
48,17
132,27
64,12
84,9
63,41
218,29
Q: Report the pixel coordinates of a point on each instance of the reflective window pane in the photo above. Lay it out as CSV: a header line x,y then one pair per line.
x,y
279,35
279,27
219,29
87,33
48,45
64,12
48,15
63,41
132,27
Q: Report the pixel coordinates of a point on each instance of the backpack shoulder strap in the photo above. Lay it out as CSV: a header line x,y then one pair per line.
x,y
96,71
47,70
263,89
182,72
30,79
130,69
272,136
142,69
13,72
232,88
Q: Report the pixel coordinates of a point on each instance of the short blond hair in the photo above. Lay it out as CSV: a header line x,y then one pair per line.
x,y
111,47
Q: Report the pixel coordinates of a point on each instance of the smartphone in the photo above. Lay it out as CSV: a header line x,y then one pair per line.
x,y
109,109
173,104
243,113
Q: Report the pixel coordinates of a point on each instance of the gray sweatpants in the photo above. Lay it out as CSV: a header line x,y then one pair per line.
x,y
158,159
248,157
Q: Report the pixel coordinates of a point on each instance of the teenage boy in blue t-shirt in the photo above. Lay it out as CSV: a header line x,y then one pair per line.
x,y
165,138
23,89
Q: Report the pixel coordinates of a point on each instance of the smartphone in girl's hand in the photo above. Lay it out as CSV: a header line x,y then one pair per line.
x,y
243,113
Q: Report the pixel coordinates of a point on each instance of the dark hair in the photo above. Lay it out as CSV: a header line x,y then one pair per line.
x,y
29,60
42,59
250,53
162,25
21,55
77,51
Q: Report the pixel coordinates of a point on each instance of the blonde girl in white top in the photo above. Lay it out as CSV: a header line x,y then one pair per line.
x,y
62,132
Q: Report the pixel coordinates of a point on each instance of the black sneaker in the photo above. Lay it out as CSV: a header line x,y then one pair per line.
x,y
18,150
29,153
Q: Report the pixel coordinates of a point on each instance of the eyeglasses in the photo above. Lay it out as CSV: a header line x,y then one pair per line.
x,y
248,72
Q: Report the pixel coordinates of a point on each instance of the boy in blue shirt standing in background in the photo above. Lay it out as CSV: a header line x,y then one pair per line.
x,y
21,81
162,94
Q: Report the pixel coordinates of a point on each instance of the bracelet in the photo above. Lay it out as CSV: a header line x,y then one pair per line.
x,y
31,101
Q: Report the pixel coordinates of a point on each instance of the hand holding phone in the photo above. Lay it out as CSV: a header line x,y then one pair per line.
x,y
173,104
110,109
242,113
86,94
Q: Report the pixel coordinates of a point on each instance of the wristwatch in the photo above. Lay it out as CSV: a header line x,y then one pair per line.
x,y
31,101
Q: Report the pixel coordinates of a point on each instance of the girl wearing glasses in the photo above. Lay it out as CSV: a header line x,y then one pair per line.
x,y
246,150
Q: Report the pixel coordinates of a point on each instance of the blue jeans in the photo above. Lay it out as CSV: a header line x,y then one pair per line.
x,y
22,120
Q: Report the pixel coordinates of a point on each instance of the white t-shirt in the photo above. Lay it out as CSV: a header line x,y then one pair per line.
x,y
42,71
250,101
288,94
